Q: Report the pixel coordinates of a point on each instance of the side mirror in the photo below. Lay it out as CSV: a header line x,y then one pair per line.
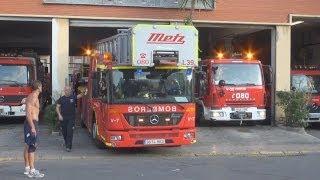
x,y
267,70
222,83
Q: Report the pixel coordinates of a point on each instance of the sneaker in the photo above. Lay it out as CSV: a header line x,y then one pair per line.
x,y
26,170
68,150
35,174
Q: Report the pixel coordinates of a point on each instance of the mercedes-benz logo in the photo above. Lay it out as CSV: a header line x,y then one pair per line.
x,y
154,119
1,99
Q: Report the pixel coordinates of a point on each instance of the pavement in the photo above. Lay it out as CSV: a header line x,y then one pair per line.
x,y
212,141
173,168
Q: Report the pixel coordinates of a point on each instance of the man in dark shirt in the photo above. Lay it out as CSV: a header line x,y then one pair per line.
x,y
66,110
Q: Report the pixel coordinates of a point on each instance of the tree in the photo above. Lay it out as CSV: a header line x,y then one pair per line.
x,y
206,3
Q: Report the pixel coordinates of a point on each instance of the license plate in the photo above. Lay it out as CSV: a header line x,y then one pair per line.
x,y
240,109
154,141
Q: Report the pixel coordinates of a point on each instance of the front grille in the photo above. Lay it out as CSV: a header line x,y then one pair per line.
x,y
11,98
314,109
150,119
247,103
241,115
154,135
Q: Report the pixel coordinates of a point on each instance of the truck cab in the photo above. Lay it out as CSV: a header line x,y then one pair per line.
x,y
16,74
307,79
231,90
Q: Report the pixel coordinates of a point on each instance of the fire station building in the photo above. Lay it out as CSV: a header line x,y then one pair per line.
x,y
281,33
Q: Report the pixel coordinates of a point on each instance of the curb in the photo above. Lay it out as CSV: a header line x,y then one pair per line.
x,y
213,154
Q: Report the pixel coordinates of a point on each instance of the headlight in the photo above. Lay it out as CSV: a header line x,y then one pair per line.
x,y
262,114
188,135
217,114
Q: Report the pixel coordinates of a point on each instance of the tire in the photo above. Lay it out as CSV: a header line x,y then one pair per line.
x,y
95,138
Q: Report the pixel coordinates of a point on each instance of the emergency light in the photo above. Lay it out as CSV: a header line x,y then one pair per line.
x,y
220,55
107,57
249,55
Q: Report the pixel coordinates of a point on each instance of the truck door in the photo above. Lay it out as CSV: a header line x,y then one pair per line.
x,y
100,99
92,95
268,82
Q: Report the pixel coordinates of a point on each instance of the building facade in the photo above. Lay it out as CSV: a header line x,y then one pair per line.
x,y
239,17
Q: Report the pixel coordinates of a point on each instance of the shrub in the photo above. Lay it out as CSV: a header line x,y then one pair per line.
x,y
50,116
294,105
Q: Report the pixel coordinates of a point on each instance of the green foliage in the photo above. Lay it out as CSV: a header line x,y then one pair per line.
x,y
294,105
50,116
188,20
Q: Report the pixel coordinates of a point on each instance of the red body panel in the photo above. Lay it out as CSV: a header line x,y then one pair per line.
x,y
111,121
16,93
227,96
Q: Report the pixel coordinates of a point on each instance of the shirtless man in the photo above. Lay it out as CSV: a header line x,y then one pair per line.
x,y
31,130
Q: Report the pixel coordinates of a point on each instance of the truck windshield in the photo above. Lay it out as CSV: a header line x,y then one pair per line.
x,y
306,83
14,75
152,86
238,74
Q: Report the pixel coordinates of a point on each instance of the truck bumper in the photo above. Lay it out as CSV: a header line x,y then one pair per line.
x,y
160,138
313,117
12,111
236,114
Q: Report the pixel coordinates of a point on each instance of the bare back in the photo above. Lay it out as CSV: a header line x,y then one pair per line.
x,y
32,106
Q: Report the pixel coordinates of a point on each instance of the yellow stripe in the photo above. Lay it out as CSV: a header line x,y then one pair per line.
x,y
172,67
128,67
101,66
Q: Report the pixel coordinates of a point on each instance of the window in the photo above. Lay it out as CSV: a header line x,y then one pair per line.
x,y
151,86
14,75
238,74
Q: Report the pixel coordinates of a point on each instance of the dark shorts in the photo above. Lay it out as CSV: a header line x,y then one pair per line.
x,y
29,139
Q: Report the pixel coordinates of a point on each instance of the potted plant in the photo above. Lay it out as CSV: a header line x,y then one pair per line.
x,y
294,104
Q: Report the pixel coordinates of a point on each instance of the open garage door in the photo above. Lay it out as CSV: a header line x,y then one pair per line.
x,y
25,50
305,61
242,39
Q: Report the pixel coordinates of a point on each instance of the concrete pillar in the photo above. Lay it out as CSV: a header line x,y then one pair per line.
x,y
282,63
60,56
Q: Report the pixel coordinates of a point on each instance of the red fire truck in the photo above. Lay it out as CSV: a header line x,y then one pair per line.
x,y
231,90
307,78
16,74
140,87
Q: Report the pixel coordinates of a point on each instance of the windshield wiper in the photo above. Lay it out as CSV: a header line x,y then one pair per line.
x,y
230,84
249,84
15,82
170,102
180,106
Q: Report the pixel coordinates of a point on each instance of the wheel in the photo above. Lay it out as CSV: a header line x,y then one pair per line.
x,y
95,138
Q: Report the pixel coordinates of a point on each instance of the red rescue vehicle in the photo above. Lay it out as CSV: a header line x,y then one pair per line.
x,y
140,87
231,90
16,74
307,79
